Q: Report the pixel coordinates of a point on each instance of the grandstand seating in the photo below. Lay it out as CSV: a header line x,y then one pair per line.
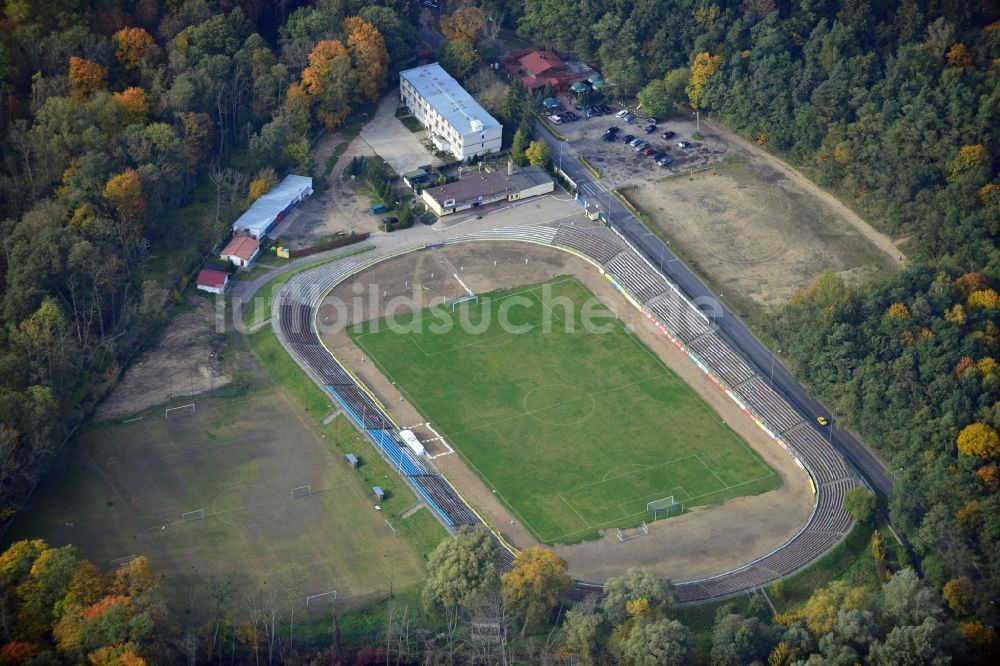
x,y
591,244
678,316
767,405
825,463
725,363
636,277
829,521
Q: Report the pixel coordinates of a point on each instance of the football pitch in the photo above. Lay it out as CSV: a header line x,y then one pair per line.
x,y
575,427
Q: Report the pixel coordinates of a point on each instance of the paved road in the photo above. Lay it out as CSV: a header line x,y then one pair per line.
x,y
659,254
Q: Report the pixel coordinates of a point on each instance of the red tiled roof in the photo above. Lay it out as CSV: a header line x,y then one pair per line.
x,y
209,277
538,62
242,247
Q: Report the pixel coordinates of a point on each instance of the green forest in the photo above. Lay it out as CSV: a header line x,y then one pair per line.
x,y
135,130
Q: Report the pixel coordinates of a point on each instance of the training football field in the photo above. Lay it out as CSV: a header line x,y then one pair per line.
x,y
576,428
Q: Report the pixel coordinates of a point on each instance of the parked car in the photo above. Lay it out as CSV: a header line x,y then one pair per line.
x,y
587,112
622,113
683,144
628,117
640,146
648,151
612,129
664,161
572,116
668,134
379,208
389,220
579,107
608,136
658,154
651,121
628,138
555,120
596,110
606,109
650,129
635,142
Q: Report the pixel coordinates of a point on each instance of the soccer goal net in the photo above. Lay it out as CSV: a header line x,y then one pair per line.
x,y
629,533
455,302
667,506
301,491
192,516
182,410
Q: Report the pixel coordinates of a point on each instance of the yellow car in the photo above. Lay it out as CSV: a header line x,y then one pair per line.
x,y
822,421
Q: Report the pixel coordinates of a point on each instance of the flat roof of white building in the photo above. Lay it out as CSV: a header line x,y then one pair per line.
x,y
263,211
449,98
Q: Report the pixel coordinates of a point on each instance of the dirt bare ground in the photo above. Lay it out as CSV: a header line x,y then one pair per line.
x,y
756,234
696,544
185,362
884,242
338,207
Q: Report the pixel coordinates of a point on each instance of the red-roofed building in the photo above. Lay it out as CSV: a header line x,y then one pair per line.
x,y
213,281
242,250
535,69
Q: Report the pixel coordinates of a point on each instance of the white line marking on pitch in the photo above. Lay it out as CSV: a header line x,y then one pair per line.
x,y
464,286
438,438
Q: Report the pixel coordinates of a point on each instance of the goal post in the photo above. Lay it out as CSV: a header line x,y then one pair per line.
x,y
193,516
301,491
668,506
634,532
455,302
181,410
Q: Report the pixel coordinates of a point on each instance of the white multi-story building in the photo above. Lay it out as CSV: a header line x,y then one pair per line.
x,y
456,123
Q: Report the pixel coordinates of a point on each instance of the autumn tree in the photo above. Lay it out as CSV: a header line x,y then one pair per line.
x,y
369,57
635,584
133,46
537,153
959,593
979,439
535,584
123,193
959,57
820,611
464,24
134,103
86,76
265,179
326,83
703,68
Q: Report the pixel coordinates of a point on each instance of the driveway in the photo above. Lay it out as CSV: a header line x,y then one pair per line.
x,y
390,139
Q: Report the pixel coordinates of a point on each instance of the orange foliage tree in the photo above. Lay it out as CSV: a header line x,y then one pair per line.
x,y
989,476
135,104
959,593
968,157
535,583
133,46
464,24
979,439
86,76
369,57
971,282
959,57
897,311
124,194
326,82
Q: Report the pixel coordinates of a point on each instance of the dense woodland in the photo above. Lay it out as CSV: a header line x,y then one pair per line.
x,y
122,118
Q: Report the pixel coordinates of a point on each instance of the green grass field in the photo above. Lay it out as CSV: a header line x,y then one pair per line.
x,y
125,488
576,430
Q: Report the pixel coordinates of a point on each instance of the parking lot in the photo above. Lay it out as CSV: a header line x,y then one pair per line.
x,y
620,164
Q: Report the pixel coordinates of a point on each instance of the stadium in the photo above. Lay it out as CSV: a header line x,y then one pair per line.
x,y
653,443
